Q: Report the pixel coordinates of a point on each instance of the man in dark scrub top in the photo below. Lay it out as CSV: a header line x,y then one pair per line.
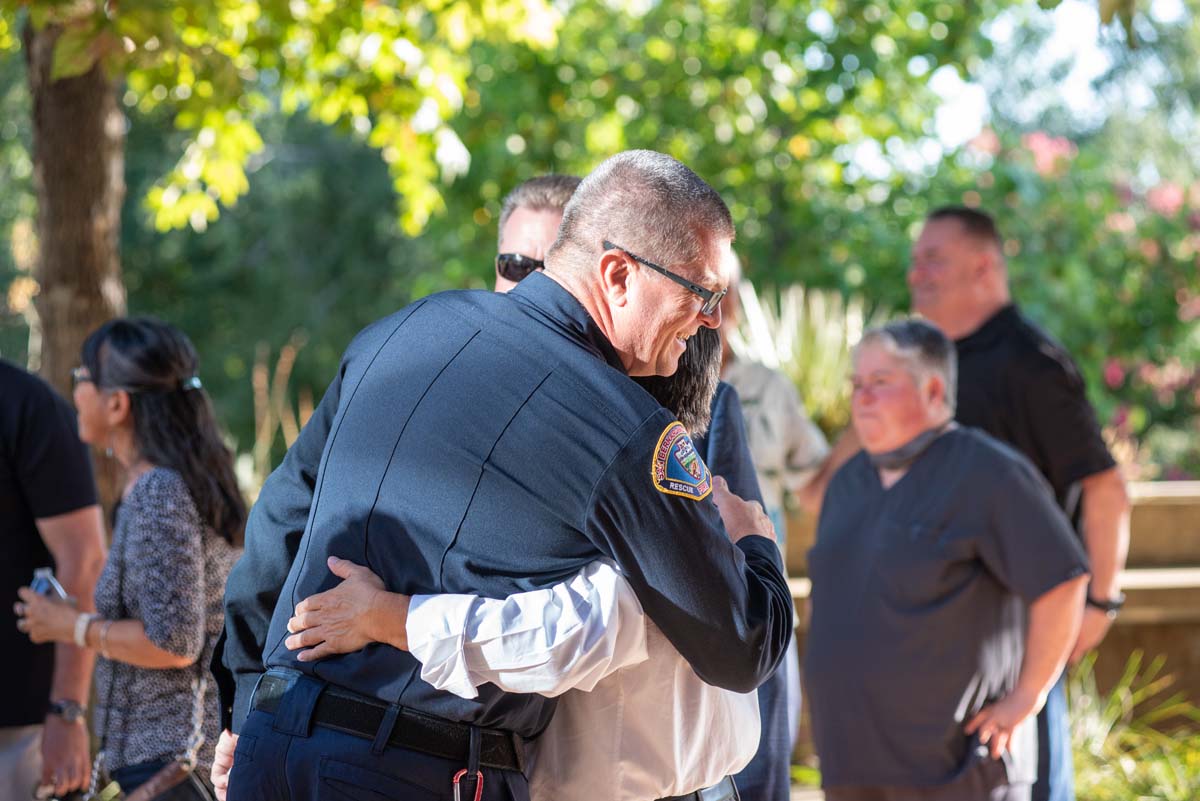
x,y
1019,385
922,670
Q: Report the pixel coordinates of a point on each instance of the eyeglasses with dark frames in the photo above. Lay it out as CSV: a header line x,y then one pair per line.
x,y
515,267
711,299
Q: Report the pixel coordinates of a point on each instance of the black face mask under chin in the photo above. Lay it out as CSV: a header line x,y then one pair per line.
x,y
906,454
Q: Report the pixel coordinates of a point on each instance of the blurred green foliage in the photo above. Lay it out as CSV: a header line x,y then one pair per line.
x,y
391,74
1138,739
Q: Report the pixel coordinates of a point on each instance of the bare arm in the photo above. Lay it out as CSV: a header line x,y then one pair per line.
x,y
52,620
813,494
1106,537
126,641
1053,626
76,541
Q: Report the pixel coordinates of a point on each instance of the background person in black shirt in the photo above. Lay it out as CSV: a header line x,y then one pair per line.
x,y
934,636
50,518
1020,386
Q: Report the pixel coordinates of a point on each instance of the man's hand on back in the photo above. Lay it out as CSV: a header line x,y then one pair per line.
x,y
346,618
741,518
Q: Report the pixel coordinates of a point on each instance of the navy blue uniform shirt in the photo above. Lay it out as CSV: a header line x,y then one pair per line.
x,y
484,443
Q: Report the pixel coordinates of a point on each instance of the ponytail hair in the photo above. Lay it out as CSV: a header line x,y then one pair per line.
x,y
173,421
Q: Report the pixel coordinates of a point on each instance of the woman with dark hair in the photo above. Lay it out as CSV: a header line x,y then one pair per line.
x,y
177,533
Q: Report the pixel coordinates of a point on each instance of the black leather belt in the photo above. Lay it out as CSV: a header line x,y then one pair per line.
x,y
724,790
355,714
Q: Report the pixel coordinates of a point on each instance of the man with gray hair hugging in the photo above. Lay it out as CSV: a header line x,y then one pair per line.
x,y
947,593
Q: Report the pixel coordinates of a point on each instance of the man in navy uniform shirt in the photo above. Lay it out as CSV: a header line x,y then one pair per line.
x,y
487,443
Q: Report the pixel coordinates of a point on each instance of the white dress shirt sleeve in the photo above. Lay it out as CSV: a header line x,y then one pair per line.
x,y
568,636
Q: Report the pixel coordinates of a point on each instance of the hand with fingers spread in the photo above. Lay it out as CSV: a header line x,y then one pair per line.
x,y
348,617
741,518
995,722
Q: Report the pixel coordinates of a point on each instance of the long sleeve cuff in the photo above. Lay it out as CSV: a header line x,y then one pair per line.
x,y
436,628
545,641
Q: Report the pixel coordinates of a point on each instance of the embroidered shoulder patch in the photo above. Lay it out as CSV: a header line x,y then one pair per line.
x,y
677,469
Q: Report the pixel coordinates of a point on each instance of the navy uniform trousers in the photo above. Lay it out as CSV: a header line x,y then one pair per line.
x,y
286,757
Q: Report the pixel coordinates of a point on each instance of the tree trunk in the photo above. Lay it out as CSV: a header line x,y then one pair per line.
x,y
79,178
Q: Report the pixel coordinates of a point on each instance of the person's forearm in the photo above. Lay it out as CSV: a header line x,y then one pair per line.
x,y
126,641
812,495
388,613
78,569
549,641
1105,530
1053,626
72,673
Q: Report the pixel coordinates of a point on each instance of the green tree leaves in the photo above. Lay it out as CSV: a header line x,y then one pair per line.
x,y
394,74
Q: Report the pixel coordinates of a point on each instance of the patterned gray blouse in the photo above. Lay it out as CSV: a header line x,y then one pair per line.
x,y
171,569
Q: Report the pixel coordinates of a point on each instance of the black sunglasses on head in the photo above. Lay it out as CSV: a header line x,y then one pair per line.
x,y
514,266
711,299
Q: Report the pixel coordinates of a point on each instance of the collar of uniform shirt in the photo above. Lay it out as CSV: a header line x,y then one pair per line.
x,y
553,301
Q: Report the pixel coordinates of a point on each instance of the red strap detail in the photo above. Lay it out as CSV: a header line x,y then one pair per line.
x,y
478,783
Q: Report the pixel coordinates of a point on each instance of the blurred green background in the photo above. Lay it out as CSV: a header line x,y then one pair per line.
x,y
829,127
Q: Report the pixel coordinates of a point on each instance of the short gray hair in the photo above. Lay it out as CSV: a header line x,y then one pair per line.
x,y
924,346
543,193
647,202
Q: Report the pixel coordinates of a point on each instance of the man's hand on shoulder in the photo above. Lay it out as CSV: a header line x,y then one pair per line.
x,y
741,518
348,617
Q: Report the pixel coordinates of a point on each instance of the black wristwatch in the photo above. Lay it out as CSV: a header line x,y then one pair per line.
x,y
1110,607
70,711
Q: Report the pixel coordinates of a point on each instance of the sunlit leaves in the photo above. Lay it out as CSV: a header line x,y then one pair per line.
x,y
211,171
393,74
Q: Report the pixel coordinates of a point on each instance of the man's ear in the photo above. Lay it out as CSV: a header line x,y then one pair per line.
x,y
614,277
987,263
935,389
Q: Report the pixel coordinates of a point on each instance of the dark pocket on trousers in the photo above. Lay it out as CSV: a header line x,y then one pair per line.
x,y
244,750
354,782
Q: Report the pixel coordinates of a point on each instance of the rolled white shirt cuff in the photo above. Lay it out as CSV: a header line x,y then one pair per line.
x,y
436,626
